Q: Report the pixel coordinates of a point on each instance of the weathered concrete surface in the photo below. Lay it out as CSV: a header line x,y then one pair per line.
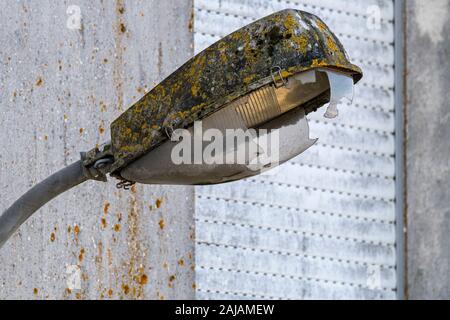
x,y
59,90
428,149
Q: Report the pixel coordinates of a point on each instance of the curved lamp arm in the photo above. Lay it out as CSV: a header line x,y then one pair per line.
x,y
40,194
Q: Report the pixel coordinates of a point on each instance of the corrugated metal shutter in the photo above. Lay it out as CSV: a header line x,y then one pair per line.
x,y
323,226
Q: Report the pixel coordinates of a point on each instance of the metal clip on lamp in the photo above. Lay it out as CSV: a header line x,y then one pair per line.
x,y
267,75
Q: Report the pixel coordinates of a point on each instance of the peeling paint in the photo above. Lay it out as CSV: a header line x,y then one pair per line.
x,y
431,19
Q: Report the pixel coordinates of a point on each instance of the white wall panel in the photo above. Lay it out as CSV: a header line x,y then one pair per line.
x,y
322,225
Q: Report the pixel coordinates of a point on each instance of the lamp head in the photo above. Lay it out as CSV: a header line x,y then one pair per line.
x,y
255,85
267,75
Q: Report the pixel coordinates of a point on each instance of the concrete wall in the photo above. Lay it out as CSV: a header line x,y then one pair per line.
x,y
428,149
61,84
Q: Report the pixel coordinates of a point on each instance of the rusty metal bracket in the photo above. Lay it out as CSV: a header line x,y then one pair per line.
x,y
101,152
97,162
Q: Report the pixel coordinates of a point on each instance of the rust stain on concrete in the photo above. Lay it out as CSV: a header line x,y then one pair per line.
x,y
162,224
118,61
99,266
81,255
106,207
135,278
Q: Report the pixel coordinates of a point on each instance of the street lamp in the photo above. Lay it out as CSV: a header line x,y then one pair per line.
x,y
263,79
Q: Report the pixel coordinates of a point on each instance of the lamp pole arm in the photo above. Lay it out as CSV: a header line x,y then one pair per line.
x,y
67,178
